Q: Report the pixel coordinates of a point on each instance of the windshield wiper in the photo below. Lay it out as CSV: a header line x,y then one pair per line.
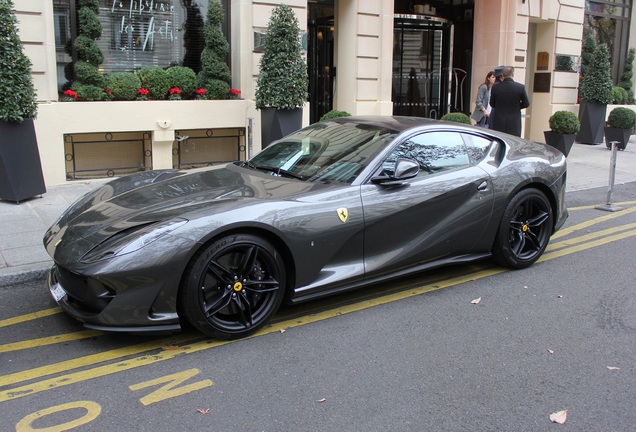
x,y
278,171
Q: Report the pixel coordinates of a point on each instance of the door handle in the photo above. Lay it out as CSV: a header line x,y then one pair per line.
x,y
483,186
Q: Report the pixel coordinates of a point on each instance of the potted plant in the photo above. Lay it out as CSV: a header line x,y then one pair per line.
x,y
457,117
620,125
564,126
215,76
334,114
596,93
20,166
281,87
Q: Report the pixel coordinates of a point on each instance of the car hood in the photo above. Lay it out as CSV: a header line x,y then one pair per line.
x,y
138,200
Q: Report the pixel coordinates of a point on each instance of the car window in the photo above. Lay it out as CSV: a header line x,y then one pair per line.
x,y
327,152
434,151
477,146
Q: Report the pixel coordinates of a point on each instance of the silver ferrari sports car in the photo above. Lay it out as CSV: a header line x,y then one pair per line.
x,y
334,206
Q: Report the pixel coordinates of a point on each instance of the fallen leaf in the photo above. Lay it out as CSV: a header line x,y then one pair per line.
x,y
321,400
551,351
172,347
613,368
559,417
203,411
476,301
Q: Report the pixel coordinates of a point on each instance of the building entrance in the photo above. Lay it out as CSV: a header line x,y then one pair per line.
x,y
320,59
421,66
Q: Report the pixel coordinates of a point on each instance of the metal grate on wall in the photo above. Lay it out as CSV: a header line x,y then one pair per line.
x,y
195,148
106,154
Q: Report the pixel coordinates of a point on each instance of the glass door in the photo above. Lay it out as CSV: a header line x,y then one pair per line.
x,y
421,66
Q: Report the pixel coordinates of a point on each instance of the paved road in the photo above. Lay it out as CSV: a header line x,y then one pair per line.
x,y
416,355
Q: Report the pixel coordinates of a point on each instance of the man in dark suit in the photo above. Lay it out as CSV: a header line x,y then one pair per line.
x,y
508,98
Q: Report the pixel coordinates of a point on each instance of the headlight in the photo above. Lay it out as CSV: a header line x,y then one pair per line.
x,y
132,240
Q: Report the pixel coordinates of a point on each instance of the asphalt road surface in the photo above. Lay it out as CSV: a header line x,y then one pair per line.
x,y
467,348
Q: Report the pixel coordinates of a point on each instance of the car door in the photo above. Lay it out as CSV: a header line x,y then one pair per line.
x,y
440,213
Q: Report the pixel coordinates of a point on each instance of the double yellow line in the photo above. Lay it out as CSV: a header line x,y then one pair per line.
x,y
190,343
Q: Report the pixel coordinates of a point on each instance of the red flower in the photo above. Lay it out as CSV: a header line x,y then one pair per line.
x,y
107,92
200,91
174,90
235,92
142,91
71,93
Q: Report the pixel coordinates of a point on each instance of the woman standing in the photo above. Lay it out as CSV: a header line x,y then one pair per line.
x,y
482,104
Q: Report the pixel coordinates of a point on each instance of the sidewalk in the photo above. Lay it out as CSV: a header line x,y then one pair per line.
x,y
22,226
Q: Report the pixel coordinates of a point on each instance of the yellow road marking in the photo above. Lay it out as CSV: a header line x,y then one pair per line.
x,y
148,359
50,340
92,359
123,365
593,206
588,237
569,230
29,317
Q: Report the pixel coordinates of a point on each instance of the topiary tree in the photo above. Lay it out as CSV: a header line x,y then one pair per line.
x,y
123,85
182,78
621,118
626,77
84,75
18,93
282,80
564,122
156,81
456,117
334,114
597,84
587,50
215,75
619,95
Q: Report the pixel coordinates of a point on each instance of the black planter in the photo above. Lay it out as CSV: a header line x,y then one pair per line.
x,y
276,123
561,142
592,118
617,134
20,167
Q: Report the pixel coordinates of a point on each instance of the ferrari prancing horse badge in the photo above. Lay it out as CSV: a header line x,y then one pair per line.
x,y
343,214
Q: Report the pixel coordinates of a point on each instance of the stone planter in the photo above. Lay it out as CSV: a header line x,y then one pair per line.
x,y
592,118
20,167
276,123
619,135
561,142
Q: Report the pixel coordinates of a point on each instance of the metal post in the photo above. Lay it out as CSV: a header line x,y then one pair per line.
x,y
250,147
608,206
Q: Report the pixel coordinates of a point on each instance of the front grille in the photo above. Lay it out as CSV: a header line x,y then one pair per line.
x,y
85,293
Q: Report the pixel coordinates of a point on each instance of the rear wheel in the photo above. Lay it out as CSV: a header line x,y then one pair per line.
x,y
233,286
524,230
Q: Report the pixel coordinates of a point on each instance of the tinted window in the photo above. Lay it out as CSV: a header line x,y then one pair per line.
x,y
477,147
434,151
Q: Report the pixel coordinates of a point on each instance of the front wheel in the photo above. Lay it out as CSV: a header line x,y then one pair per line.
x,y
524,230
233,286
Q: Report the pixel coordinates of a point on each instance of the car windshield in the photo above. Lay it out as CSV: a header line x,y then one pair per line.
x,y
329,152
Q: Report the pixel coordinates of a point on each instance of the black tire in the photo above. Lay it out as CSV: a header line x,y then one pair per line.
x,y
524,230
233,286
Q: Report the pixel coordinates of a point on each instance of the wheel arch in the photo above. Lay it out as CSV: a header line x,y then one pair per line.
x,y
273,238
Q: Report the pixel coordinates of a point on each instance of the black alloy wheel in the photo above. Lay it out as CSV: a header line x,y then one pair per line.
x,y
233,286
524,230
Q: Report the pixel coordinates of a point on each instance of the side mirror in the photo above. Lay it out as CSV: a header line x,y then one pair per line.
x,y
404,169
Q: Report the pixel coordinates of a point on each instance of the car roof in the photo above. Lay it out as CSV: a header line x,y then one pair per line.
x,y
397,124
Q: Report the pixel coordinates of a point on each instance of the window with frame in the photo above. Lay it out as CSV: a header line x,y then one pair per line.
x,y
435,152
607,21
140,33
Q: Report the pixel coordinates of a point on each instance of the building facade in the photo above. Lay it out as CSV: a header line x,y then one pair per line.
x,y
385,57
